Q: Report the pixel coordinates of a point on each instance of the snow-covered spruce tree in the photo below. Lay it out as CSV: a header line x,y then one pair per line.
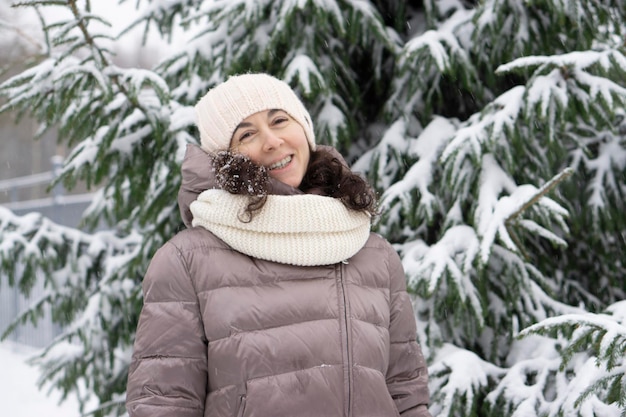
x,y
490,108
495,132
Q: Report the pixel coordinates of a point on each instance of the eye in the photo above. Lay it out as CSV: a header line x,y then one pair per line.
x,y
244,136
280,119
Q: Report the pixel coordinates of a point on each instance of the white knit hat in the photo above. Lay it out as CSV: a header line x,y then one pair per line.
x,y
221,110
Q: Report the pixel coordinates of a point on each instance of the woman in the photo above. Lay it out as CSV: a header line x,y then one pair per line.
x,y
277,300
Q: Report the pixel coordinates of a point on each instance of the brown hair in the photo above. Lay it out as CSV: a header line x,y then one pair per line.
x,y
326,175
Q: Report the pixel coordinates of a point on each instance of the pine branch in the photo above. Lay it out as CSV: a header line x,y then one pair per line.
x,y
603,337
459,379
102,62
540,193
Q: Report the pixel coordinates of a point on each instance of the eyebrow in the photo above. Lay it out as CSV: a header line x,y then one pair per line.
x,y
246,124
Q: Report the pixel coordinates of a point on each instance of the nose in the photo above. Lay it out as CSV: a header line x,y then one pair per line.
x,y
271,141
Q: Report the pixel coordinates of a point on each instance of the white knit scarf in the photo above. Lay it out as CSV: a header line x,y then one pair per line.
x,y
302,229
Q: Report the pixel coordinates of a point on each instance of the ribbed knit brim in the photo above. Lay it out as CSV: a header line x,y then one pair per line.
x,y
221,110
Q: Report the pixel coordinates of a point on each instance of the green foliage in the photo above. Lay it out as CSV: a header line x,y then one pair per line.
x,y
603,338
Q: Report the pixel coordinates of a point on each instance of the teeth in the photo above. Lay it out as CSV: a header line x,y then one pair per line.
x,y
280,163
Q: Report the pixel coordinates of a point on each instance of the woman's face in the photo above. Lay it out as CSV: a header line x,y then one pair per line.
x,y
275,140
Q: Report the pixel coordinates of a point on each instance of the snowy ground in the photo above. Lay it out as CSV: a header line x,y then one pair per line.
x,y
19,395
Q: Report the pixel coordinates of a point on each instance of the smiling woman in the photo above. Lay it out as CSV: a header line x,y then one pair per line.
x,y
275,140
277,300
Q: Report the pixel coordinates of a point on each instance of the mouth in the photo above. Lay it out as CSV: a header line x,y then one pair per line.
x,y
280,164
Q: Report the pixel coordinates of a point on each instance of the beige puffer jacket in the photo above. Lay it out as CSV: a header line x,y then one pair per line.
x,y
223,334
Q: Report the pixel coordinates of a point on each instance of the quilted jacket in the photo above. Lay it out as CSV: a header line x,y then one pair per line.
x,y
223,334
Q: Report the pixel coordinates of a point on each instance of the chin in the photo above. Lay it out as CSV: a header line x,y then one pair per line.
x,y
290,182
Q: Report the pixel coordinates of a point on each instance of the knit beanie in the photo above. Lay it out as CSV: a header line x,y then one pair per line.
x,y
226,105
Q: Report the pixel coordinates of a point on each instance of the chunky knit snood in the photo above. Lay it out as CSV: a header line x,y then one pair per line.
x,y
300,229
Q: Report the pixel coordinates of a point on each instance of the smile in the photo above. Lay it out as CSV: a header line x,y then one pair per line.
x,y
280,164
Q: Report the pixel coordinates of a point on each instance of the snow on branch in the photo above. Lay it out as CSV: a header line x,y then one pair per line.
x,y
600,87
422,62
457,377
332,118
136,79
304,69
452,256
603,337
29,85
539,384
604,334
79,89
525,386
561,82
380,160
95,271
546,92
427,148
63,257
436,43
330,6
528,290
495,214
162,13
577,59
499,117
606,164
365,12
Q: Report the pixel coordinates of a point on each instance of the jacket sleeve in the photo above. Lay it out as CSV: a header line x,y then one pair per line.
x,y
167,376
407,374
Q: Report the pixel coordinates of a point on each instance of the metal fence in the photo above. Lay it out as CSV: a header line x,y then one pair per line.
x,y
58,207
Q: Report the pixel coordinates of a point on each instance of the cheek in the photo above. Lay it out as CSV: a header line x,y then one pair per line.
x,y
305,149
306,158
250,153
